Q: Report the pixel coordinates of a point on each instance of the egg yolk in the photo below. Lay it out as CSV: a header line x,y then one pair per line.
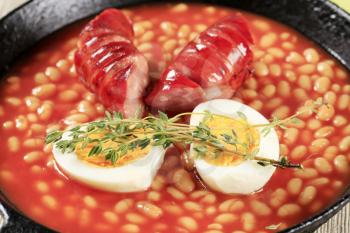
x,y
99,159
246,136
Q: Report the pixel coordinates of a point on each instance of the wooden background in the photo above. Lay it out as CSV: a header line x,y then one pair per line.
x,y
340,223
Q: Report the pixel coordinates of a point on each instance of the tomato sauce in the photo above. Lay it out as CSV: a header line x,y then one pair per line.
x,y
289,71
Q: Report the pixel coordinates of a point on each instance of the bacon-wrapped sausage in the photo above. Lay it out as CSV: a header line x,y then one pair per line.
x,y
109,65
211,66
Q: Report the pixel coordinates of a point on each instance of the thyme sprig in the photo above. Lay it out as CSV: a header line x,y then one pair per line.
x,y
163,131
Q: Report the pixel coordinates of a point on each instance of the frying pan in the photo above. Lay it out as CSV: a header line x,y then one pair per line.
x,y
319,20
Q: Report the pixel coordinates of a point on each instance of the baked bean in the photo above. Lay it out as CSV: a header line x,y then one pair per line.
x,y
44,91
33,156
188,223
320,181
215,226
135,218
346,89
311,55
63,65
325,69
346,130
76,119
68,96
69,212
287,45
123,205
33,143
290,135
45,111
149,209
231,205
210,210
343,102
307,195
276,52
21,123
192,206
344,144
295,58
306,173
42,186
275,70
153,196
322,165
87,108
304,82
172,209
175,193
324,132
322,85
249,94
49,201
41,78
53,73
209,198
111,217
184,31
278,197
260,208
130,228
300,94
13,101
341,164
13,144
281,112
7,176
288,210
256,104
318,145
261,25
198,194
225,218
325,112
298,152
294,186
169,45
268,40
179,8
147,36
336,88
283,149
32,103
269,90
268,59
32,117
313,124
261,69
90,201
306,69
248,221
283,89
290,75
330,97
168,28
273,103
158,183
339,121
183,181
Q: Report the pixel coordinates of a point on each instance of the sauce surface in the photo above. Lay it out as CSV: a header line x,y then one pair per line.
x,y
42,93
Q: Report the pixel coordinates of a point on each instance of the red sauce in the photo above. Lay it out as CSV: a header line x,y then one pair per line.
x,y
282,82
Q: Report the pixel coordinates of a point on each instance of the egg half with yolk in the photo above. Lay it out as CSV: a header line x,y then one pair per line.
x,y
134,172
228,172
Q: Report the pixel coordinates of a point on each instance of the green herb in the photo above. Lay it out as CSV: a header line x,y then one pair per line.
x,y
273,227
163,131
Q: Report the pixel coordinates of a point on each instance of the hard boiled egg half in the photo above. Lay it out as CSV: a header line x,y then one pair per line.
x,y
134,172
231,173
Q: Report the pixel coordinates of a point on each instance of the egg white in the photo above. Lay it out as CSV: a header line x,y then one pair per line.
x,y
135,176
248,176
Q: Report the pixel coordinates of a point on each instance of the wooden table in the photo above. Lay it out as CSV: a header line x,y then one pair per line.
x,y
340,223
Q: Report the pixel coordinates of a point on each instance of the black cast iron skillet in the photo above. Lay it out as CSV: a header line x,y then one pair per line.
x,y
319,20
